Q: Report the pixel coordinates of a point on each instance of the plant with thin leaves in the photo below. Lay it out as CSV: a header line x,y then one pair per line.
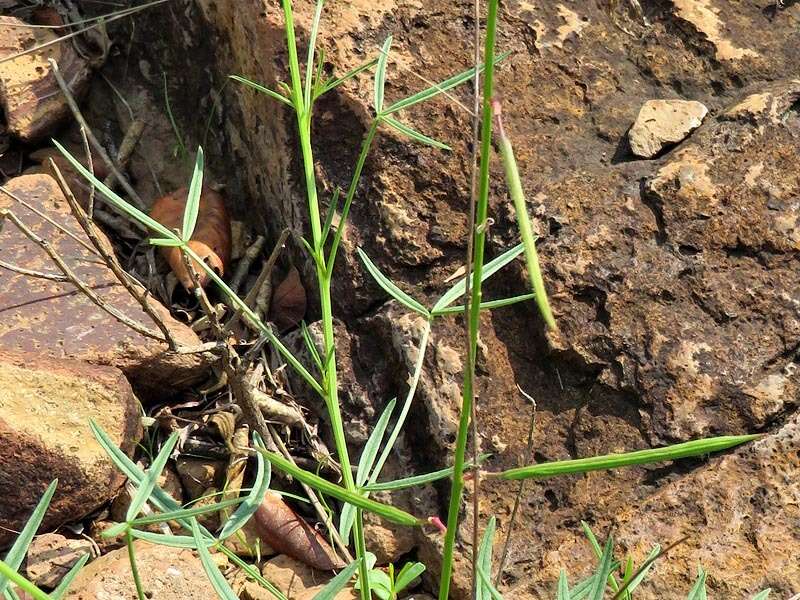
x,y
387,585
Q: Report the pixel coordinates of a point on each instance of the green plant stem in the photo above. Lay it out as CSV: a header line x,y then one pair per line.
x,y
481,210
134,569
23,584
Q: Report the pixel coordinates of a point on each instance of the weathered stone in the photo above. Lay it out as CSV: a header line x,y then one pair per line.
x,y
199,474
51,556
29,94
54,319
299,582
45,409
664,122
166,574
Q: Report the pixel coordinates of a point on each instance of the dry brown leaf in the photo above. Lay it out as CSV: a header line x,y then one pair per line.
x,y
282,529
211,240
288,305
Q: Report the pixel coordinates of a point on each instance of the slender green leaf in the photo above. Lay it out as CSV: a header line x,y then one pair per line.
x,y
489,269
414,134
603,571
483,589
113,198
220,584
163,539
153,473
380,75
337,584
563,586
256,496
390,513
639,457
165,242
18,550
312,44
394,291
486,580
163,517
334,83
311,346
582,588
264,90
698,591
418,480
192,208
628,585
598,552
439,88
762,595
65,582
326,228
26,586
489,305
407,575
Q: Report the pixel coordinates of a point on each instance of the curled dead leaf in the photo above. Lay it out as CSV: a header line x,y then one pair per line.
x,y
211,240
282,529
288,305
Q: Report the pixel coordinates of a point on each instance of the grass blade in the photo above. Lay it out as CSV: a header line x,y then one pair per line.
x,y
337,584
490,305
149,482
220,584
437,89
598,588
698,591
394,291
254,498
163,539
417,480
486,581
65,582
114,199
408,574
598,552
312,44
563,586
639,457
260,88
762,595
163,517
414,134
334,83
193,199
18,550
380,75
390,513
326,228
26,586
483,587
165,242
489,269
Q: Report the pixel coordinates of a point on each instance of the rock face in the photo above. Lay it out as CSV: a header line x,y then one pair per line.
x,y
298,581
674,281
45,408
661,123
56,320
167,574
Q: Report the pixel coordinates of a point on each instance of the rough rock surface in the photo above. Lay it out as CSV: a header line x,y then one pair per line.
x,y
299,582
661,123
54,319
51,556
167,574
674,281
31,100
45,408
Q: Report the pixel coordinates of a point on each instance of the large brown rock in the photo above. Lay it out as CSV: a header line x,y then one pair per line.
x,y
56,320
166,573
45,409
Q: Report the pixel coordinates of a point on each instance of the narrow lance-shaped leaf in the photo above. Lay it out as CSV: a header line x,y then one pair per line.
x,y
603,571
380,75
418,480
153,473
23,584
414,134
483,587
489,305
337,584
390,287
640,457
390,513
18,550
334,83
260,88
598,552
193,198
563,586
220,584
66,581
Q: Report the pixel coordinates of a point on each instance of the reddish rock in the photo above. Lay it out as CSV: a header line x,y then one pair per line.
x,y
55,319
51,556
29,94
45,409
166,573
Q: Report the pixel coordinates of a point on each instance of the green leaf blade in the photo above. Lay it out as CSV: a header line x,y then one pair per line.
x,y
192,207
390,287
380,75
